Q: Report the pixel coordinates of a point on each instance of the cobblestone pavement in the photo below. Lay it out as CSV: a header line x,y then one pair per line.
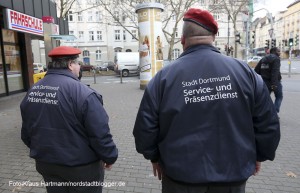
x,y
121,102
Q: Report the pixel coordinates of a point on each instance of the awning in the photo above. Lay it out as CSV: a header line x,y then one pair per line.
x,y
63,37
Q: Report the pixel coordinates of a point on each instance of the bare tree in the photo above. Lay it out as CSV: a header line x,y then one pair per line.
x,y
172,15
174,11
232,8
64,7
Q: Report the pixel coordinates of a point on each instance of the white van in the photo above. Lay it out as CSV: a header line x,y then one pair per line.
x,y
127,63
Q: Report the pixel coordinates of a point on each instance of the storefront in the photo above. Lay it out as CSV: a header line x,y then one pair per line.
x,y
17,28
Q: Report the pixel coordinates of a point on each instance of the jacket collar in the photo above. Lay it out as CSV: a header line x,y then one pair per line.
x,y
64,72
198,47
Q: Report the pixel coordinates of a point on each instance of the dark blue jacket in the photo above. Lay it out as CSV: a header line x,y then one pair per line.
x,y
65,123
269,69
207,118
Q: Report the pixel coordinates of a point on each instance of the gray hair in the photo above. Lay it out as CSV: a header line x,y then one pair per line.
x,y
191,29
62,62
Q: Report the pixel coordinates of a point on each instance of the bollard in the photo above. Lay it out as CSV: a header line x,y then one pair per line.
x,y
290,67
121,77
94,76
290,62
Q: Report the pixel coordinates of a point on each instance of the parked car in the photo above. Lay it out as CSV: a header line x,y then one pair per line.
x,y
252,61
102,67
87,67
38,67
110,65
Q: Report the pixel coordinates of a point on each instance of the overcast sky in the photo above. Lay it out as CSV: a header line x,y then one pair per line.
x,y
272,6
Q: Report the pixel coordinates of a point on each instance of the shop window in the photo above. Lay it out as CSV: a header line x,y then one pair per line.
x,y
12,62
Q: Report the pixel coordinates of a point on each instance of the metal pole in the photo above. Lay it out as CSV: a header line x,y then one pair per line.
x,y
94,71
247,38
121,77
290,62
228,33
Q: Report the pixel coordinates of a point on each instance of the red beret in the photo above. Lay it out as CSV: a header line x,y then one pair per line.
x,y
63,51
202,18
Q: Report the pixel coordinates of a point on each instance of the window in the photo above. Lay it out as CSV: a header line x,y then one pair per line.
x,y
176,53
117,35
176,33
70,16
71,33
98,16
86,53
133,34
123,17
124,35
80,17
98,54
99,36
173,17
91,36
90,16
216,16
81,35
117,16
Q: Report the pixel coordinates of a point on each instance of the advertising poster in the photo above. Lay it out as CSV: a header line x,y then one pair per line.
x,y
150,44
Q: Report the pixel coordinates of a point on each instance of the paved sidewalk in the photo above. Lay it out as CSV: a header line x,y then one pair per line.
x,y
121,102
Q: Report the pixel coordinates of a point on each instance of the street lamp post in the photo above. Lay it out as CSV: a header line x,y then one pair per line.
x,y
228,33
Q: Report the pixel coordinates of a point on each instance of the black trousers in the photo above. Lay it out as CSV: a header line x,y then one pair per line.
x,y
171,186
79,179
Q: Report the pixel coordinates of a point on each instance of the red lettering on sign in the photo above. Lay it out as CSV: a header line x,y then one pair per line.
x,y
24,23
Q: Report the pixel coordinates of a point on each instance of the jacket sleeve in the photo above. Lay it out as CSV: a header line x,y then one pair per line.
x,y
275,71
266,123
146,128
25,128
96,124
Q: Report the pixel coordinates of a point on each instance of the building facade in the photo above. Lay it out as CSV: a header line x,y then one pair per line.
x,y
285,33
99,36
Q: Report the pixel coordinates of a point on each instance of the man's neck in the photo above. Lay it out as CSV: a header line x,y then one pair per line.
x,y
196,40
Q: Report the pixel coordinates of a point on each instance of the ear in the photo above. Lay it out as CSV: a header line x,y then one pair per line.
x,y
214,37
70,67
182,40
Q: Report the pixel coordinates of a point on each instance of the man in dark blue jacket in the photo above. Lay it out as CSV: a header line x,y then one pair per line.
x,y
206,121
66,128
269,69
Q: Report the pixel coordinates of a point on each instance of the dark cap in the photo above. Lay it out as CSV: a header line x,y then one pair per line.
x,y
202,18
63,51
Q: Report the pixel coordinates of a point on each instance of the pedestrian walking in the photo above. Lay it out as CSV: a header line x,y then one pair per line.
x,y
269,69
66,128
206,121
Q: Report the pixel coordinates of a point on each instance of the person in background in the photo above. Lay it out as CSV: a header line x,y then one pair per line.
x,y
206,121
66,127
269,69
80,71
